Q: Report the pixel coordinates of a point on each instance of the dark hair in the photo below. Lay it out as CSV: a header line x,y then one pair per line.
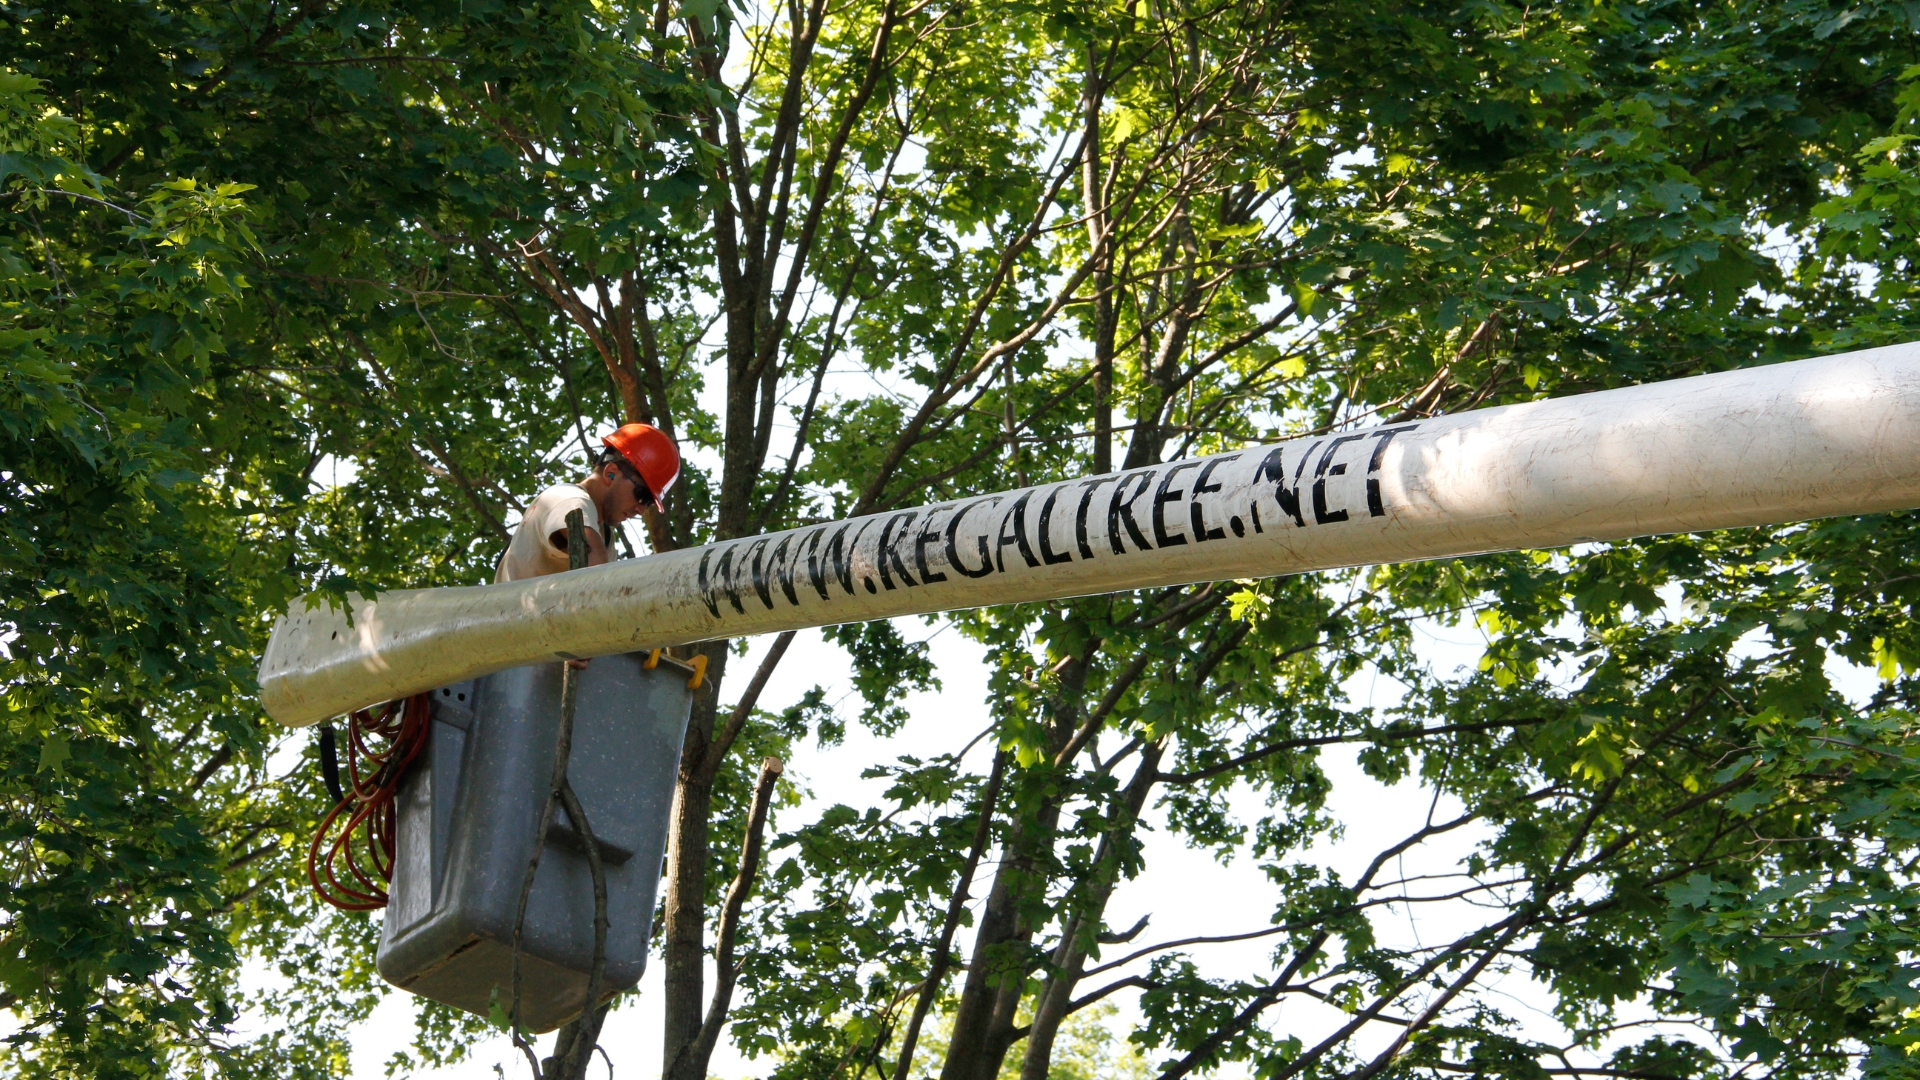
x,y
610,456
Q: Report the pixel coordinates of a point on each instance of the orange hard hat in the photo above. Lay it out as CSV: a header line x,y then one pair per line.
x,y
652,454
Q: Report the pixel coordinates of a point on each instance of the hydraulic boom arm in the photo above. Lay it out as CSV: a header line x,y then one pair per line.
x,y
1788,442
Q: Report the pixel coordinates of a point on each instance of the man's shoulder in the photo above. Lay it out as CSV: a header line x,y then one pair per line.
x,y
561,493
557,501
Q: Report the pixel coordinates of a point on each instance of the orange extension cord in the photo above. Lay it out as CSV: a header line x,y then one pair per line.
x,y
358,834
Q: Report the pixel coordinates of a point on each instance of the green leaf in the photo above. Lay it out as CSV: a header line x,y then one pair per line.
x,y
54,753
1696,892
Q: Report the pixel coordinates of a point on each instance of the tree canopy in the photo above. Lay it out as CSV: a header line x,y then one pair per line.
x,y
316,296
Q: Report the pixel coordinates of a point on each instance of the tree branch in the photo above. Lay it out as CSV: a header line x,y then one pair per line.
x,y
220,758
942,955
726,970
1331,740
717,749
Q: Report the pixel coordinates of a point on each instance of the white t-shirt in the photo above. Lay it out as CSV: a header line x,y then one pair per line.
x,y
531,553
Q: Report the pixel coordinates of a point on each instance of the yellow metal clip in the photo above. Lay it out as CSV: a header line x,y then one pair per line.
x,y
653,659
699,663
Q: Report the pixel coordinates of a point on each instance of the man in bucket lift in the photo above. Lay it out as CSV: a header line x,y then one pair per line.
x,y
638,466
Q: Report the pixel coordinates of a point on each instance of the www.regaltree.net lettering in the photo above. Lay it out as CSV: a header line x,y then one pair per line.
x,y
1192,502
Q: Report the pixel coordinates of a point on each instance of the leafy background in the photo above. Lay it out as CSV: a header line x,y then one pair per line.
x,y
885,253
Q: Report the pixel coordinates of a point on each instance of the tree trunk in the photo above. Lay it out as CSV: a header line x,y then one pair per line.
x,y
1079,929
683,944
990,997
983,1019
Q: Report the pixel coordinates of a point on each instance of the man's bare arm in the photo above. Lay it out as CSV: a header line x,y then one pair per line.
x,y
596,547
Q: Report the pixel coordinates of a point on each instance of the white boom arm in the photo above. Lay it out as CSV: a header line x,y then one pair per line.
x,y
1788,442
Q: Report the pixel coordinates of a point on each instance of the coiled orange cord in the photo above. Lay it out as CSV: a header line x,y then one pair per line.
x,y
358,833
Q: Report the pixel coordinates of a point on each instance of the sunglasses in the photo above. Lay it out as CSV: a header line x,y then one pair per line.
x,y
641,492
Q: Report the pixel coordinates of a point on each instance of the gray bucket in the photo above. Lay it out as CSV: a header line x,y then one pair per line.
x,y
467,815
